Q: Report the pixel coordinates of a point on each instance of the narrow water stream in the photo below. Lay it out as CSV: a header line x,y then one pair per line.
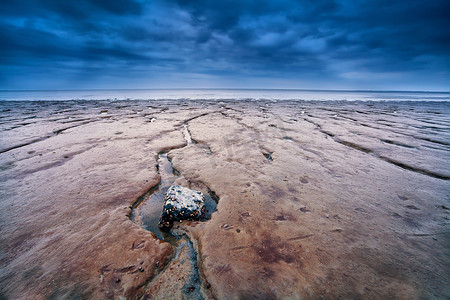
x,y
147,211
149,207
152,204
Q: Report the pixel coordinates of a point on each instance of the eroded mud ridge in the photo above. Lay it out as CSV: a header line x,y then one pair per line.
x,y
317,199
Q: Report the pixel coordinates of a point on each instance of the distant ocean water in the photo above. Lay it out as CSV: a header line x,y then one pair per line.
x,y
222,94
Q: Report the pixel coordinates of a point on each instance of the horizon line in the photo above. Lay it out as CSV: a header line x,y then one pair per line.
x,y
215,88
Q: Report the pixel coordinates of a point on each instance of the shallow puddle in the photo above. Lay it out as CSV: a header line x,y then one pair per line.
x,y
150,206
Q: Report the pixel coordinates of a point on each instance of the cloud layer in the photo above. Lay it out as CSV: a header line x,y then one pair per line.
x,y
278,44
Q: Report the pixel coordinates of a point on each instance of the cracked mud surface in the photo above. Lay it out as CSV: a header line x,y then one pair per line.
x,y
317,200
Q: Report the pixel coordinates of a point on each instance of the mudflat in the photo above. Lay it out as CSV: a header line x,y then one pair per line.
x,y
309,199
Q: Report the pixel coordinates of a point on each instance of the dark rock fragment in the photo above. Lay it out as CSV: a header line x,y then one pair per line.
x,y
181,204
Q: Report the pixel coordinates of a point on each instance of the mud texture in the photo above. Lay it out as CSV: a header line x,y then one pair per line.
x,y
317,199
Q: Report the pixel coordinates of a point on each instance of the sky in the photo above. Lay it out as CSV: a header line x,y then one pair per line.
x,y
321,44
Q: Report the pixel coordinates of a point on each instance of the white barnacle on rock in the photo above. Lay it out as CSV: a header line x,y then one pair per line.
x,y
181,204
180,197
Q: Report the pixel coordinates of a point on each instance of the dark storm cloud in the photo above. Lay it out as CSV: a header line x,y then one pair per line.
x,y
325,41
379,30
69,9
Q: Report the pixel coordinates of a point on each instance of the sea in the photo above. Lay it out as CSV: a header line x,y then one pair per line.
x,y
223,94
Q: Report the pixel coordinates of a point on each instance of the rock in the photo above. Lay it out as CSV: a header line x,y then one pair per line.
x,y
181,203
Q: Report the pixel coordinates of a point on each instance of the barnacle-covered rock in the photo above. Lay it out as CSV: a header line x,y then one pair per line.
x,y
181,203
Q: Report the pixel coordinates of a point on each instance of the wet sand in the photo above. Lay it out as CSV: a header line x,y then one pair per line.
x,y
314,199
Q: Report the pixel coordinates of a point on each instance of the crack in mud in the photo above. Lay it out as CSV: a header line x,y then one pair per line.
x,y
268,155
414,169
54,133
379,156
396,131
239,121
397,143
26,144
56,163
